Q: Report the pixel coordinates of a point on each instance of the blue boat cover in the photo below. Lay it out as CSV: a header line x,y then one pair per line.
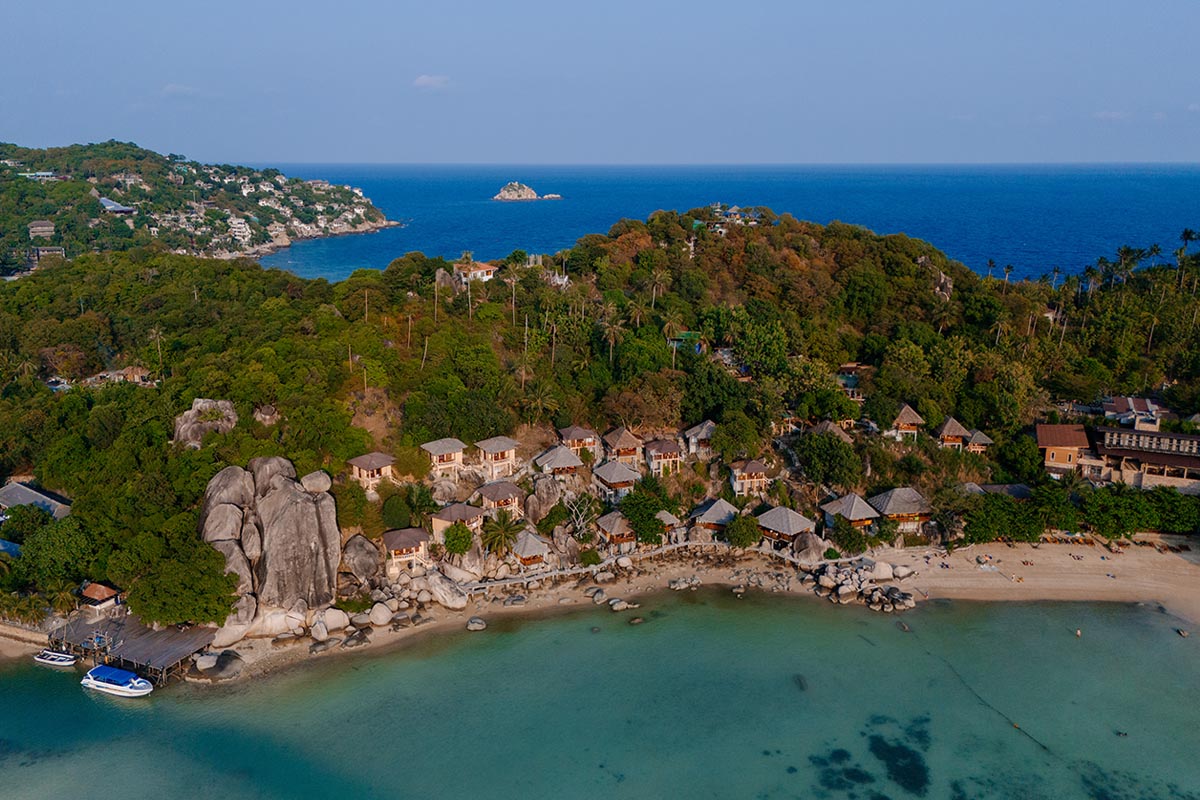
x,y
111,674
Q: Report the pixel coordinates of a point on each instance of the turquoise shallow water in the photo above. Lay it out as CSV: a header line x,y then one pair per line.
x,y
712,697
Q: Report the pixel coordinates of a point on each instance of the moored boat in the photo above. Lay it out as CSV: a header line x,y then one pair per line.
x,y
53,658
119,682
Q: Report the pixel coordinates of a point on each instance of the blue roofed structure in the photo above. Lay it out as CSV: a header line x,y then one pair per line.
x,y
113,207
11,549
18,494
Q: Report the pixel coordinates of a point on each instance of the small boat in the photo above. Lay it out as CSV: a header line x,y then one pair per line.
x,y
119,682
53,658
1182,632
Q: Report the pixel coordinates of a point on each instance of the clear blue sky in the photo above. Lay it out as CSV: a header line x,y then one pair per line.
x,y
556,81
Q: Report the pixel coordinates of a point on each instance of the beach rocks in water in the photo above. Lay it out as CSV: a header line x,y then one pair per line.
x,y
679,584
476,624
335,619
223,666
516,191
851,584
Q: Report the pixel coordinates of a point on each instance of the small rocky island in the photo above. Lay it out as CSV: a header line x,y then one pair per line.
x,y
519,191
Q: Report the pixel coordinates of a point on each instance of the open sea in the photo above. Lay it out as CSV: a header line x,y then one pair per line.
x,y
1033,217
713,697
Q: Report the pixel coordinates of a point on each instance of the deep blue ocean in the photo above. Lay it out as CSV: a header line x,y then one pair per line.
x,y
1033,217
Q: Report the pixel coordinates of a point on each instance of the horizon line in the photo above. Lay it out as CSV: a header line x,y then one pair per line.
x,y
742,164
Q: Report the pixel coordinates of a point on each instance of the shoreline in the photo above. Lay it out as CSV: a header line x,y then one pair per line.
x,y
1054,573
258,251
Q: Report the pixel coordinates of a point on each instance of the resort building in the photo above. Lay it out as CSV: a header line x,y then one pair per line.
x,y
748,477
18,494
466,271
699,439
41,229
499,456
99,599
713,515
1139,413
852,508
445,456
836,431
978,442
848,377
1145,459
405,549
951,435
783,525
663,456
905,425
531,549
615,531
674,526
623,445
578,439
613,480
1062,446
904,506
471,516
559,461
371,469
502,496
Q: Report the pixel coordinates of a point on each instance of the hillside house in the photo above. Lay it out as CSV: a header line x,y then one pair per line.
x,y
99,599
748,477
445,456
578,439
466,271
713,515
623,445
782,525
675,529
18,494
1063,447
613,480
978,442
471,516
1145,459
836,431
904,506
371,469
41,229
699,439
499,455
1139,413
559,461
848,378
405,549
906,424
530,549
852,508
615,531
951,435
502,496
663,456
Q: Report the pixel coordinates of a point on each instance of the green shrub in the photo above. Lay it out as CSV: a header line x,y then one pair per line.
x,y
831,554
354,605
458,539
396,513
553,519
589,557
743,532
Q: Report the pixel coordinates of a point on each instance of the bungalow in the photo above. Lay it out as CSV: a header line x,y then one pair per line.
x,y
978,442
951,434
1017,491
502,495
466,271
851,508
99,599
445,456
713,515
699,439
41,228
405,549
371,469
18,494
675,528
471,516
1062,446
530,548
578,439
905,506
748,477
613,480
615,530
849,377
782,524
558,461
906,424
825,426
663,456
499,456
622,445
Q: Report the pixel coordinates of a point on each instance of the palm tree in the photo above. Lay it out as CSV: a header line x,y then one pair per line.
x,y
30,609
991,265
421,503
1056,272
156,336
61,597
500,533
540,403
637,313
660,280
1008,268
672,324
613,331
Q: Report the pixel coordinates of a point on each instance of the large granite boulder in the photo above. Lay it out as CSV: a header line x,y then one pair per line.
x,y
809,548
444,591
301,546
317,482
222,522
361,558
237,563
232,485
204,417
546,493
265,470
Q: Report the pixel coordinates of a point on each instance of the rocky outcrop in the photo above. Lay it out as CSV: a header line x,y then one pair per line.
x,y
281,540
204,417
546,493
857,583
444,591
516,191
361,558
809,548
317,482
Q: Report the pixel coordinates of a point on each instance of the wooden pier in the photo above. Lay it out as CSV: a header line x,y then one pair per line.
x,y
127,643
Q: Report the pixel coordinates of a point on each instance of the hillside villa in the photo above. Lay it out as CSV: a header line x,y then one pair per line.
x,y
18,494
502,496
748,477
783,525
713,515
663,456
559,461
471,516
405,549
904,506
852,508
499,456
906,424
699,439
578,439
530,549
623,445
615,531
371,469
613,480
445,456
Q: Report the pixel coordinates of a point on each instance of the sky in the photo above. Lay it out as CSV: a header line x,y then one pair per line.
x,y
614,82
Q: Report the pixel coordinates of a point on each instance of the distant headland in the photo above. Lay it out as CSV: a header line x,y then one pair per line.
x,y
519,191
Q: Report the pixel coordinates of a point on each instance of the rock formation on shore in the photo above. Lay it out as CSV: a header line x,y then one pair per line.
x,y
204,417
280,537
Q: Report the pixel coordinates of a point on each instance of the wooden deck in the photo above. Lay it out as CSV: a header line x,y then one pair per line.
x,y
125,641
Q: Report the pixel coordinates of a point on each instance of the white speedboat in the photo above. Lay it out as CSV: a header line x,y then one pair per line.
x,y
53,658
120,682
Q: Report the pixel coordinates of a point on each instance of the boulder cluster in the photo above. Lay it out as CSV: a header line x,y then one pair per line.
x,y
859,583
204,417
